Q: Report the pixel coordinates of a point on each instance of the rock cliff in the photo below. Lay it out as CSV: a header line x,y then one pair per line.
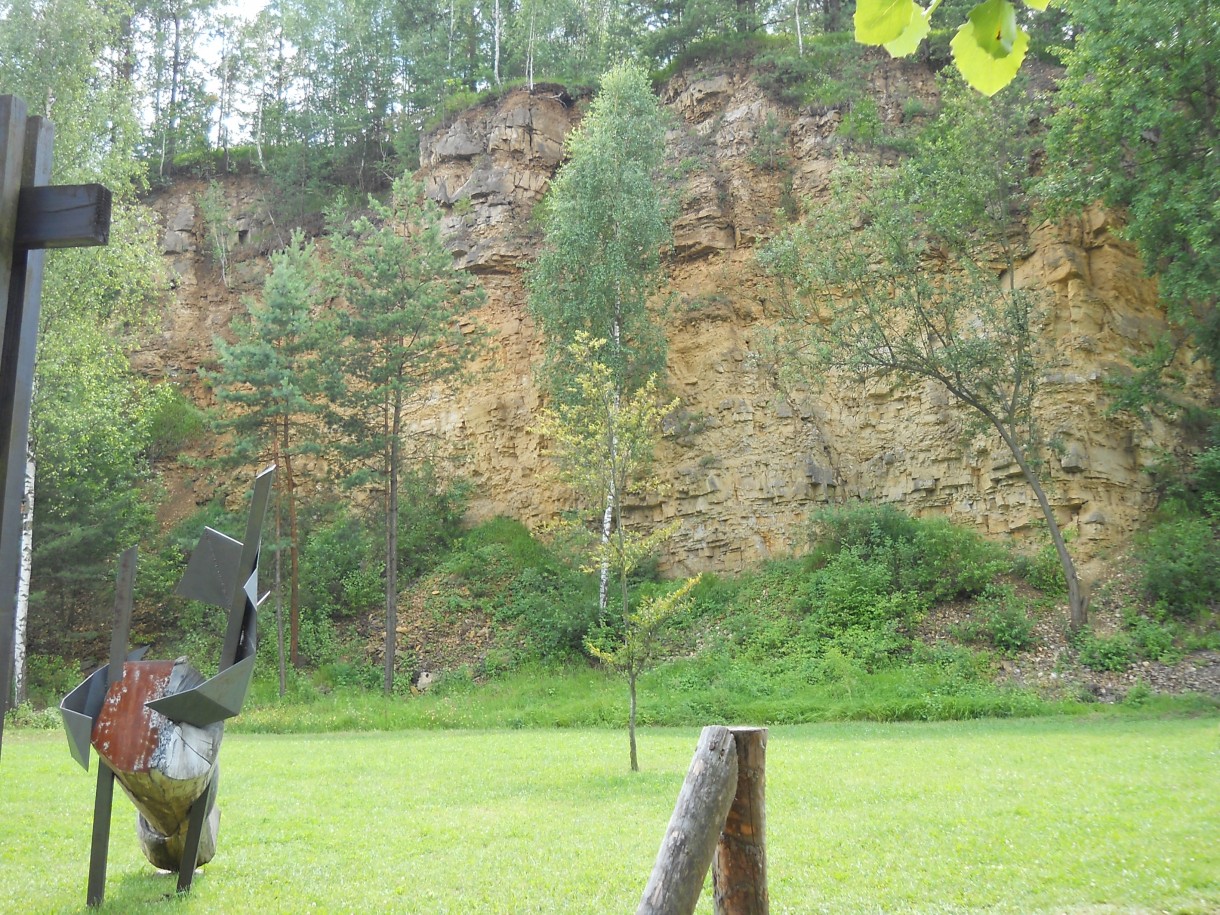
x,y
747,461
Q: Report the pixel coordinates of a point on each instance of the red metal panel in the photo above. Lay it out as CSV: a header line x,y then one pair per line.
x,y
127,734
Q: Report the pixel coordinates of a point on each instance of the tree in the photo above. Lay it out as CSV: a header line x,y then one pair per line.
x,y
605,225
70,61
602,440
896,278
267,380
1137,126
406,332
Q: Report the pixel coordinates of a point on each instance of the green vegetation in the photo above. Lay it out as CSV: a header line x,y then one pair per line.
x,y
864,299
847,806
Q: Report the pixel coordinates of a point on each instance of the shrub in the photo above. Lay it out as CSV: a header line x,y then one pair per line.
x,y
1112,653
933,557
1181,564
341,570
49,678
1002,621
173,422
1043,570
1152,640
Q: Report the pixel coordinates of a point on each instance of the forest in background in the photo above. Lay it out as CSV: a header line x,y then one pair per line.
x,y
329,98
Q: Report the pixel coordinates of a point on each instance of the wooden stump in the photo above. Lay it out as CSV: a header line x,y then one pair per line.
x,y
690,839
164,766
739,869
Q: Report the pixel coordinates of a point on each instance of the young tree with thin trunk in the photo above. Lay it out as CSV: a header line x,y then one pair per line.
x,y
910,275
605,225
268,381
602,440
406,332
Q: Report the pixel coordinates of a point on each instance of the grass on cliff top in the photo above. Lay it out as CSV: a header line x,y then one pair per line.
x,y
1038,815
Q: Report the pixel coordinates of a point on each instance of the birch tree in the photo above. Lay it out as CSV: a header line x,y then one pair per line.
x,y
605,225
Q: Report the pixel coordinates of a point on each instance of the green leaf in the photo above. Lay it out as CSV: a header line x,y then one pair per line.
x,y
1037,4
915,32
995,27
983,70
881,21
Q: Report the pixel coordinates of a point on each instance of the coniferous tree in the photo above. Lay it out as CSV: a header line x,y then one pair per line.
x,y
267,380
405,334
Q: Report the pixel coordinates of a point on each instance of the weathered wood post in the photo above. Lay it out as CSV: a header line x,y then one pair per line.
x,y
739,869
691,836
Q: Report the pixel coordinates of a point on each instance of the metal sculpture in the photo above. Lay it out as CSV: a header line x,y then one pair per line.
x,y
157,725
34,216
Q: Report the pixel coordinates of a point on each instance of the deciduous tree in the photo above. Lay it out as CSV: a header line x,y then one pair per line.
x,y
897,278
605,225
602,440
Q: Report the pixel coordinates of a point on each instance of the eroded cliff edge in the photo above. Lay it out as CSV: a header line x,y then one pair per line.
x,y
747,461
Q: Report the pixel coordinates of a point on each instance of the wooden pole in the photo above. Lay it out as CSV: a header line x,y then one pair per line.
x,y
690,839
739,868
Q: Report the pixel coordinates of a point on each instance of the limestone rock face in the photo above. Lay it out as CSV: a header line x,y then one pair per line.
x,y
747,460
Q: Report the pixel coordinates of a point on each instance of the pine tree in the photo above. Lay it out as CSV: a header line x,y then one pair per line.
x,y
405,334
267,381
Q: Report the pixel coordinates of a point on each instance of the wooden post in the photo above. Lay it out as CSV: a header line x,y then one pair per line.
x,y
739,868
690,839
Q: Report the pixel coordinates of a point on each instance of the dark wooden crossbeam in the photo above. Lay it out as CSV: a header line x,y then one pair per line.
x,y
63,216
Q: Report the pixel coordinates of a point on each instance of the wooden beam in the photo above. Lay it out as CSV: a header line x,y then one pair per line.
x,y
63,216
690,839
739,869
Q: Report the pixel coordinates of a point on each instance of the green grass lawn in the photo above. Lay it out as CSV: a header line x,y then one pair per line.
x,y
1083,814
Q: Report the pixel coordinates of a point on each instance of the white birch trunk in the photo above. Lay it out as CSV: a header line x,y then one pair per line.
x,y
496,33
800,40
20,694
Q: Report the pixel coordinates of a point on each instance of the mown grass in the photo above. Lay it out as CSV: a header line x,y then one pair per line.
x,y
1036,815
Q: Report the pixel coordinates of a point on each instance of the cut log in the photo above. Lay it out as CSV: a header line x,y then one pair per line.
x,y
164,766
739,869
690,839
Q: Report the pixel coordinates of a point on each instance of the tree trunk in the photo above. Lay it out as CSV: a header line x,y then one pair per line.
x,y
294,587
739,869
496,39
603,593
800,38
169,145
20,694
279,592
391,559
631,678
1077,599
690,838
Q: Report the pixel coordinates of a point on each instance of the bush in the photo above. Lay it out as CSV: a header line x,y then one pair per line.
x,y
49,678
1181,564
341,569
934,557
173,422
1002,621
830,72
519,582
1152,640
1043,570
1105,653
